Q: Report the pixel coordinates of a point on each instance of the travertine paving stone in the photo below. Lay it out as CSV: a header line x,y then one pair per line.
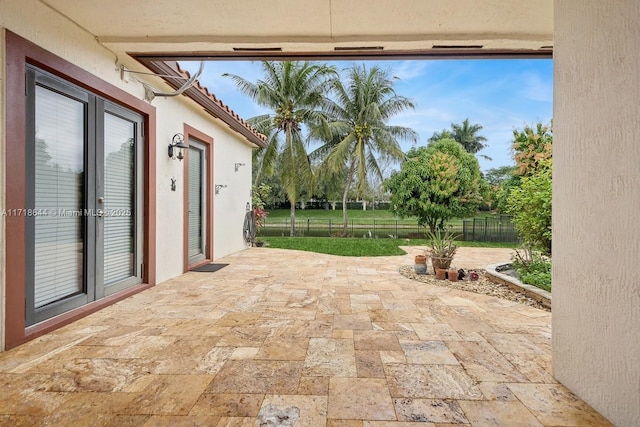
x,y
429,410
360,399
296,339
500,414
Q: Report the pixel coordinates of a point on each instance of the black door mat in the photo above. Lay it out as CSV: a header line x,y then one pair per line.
x,y
209,268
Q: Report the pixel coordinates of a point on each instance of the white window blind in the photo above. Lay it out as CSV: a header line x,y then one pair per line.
x,y
119,196
195,202
59,191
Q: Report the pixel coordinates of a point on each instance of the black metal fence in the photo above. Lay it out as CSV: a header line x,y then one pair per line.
x,y
489,229
498,229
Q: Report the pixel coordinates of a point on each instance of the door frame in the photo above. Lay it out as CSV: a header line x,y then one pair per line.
x,y
18,53
206,140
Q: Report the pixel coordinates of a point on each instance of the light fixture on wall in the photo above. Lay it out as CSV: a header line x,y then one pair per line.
x,y
219,186
176,147
237,166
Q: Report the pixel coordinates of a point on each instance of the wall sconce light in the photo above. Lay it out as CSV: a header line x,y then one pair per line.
x,y
219,186
176,147
237,166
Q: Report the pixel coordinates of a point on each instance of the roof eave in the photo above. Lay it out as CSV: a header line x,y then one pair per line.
x,y
205,99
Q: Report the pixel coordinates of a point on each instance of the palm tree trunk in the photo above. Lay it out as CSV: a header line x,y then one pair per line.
x,y
292,198
292,218
347,187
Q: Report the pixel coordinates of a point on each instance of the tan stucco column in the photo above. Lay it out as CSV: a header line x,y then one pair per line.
x,y
596,204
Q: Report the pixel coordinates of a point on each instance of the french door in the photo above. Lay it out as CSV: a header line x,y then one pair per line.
x,y
84,197
197,201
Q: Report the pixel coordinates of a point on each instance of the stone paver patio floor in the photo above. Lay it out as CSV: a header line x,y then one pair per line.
x,y
283,338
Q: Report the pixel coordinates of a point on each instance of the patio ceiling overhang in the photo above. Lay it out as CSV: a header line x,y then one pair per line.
x,y
285,28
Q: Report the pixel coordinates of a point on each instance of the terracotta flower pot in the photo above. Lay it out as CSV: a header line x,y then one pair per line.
x,y
420,266
441,273
440,262
453,275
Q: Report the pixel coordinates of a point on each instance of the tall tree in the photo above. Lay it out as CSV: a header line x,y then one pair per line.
x,y
529,202
466,135
358,135
295,93
532,147
437,183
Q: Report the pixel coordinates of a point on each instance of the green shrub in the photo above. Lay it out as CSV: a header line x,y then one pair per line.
x,y
530,206
533,269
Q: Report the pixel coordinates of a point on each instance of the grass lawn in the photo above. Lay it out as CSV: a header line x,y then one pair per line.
x,y
358,247
338,246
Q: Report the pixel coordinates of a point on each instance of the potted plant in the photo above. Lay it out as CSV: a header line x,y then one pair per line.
x,y
442,249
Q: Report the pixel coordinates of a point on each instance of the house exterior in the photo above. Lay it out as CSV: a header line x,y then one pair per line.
x,y
596,297
94,209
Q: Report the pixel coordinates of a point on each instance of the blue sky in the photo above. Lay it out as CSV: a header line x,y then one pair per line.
x,y
499,95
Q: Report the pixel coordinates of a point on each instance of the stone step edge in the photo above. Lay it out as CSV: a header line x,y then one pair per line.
x,y
533,292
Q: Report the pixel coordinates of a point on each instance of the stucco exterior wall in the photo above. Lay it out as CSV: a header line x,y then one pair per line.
x,y
231,203
49,30
596,197
228,206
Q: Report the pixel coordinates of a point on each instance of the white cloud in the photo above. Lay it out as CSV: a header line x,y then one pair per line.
x,y
407,70
535,89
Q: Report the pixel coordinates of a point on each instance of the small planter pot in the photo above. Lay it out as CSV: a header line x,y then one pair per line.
x,y
453,275
440,262
441,273
420,266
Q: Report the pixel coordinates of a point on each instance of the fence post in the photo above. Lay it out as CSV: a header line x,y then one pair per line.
x,y
330,234
397,229
486,225
308,226
474,229
374,228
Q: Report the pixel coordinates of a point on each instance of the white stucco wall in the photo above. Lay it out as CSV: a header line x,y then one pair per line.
x,y
596,185
231,202
228,206
46,28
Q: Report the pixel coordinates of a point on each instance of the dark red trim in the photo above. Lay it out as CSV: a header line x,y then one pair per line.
x,y
20,52
269,54
191,132
72,315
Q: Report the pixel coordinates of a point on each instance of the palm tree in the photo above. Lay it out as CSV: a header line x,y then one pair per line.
x,y
467,135
358,135
295,93
437,136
